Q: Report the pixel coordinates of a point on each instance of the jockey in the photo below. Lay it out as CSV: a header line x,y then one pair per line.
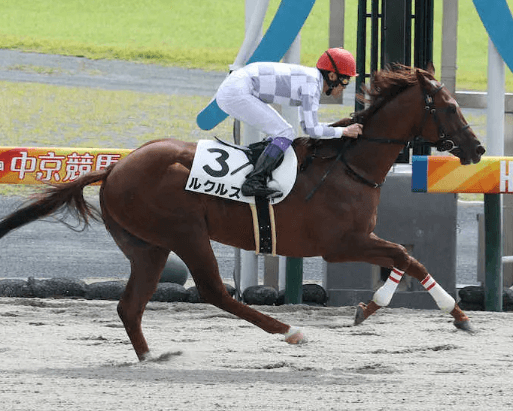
x,y
247,92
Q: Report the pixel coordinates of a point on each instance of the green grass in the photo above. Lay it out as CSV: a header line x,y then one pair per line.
x,y
41,115
203,34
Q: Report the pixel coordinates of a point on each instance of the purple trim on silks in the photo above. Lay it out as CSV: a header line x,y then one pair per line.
x,y
273,151
277,147
282,142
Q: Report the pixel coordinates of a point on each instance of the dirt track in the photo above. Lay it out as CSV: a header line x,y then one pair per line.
x,y
74,354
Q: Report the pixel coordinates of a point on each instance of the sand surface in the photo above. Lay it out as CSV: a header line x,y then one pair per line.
x,y
64,354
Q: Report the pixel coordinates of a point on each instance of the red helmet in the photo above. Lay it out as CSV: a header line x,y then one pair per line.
x,y
338,60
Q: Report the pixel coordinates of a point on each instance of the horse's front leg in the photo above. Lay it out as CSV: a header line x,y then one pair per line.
x,y
443,299
384,294
374,250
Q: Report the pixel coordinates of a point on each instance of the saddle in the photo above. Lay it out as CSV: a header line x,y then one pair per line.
x,y
219,168
264,227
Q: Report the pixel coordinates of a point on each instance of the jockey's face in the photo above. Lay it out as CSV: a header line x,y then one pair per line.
x,y
337,91
342,84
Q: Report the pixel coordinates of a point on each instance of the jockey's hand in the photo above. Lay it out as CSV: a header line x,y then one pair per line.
x,y
353,131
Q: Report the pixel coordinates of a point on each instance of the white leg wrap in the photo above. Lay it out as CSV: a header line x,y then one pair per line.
x,y
291,332
294,336
384,294
442,298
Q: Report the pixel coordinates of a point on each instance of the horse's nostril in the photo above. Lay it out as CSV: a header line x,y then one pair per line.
x,y
480,150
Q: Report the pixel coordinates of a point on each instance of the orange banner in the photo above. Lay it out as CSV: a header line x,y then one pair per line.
x,y
36,165
441,174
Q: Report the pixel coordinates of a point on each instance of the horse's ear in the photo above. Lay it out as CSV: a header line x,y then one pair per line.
x,y
431,68
421,77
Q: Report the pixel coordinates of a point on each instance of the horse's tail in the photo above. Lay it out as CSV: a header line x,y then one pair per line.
x,y
67,197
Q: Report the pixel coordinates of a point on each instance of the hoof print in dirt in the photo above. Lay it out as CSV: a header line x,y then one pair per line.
x,y
105,290
260,295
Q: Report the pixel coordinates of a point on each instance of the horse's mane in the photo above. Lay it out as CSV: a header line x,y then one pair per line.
x,y
385,85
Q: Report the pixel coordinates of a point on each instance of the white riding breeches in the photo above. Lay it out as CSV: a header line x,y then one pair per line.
x,y
234,97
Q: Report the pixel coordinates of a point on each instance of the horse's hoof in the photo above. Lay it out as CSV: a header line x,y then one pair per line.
x,y
294,336
360,314
464,325
148,357
364,311
144,356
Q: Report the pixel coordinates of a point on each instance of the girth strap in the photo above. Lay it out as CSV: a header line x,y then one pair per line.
x,y
264,226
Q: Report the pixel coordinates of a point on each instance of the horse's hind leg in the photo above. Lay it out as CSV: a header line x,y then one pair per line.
x,y
146,262
196,251
395,256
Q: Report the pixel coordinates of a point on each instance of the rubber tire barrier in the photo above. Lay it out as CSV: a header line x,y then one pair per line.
x,y
313,294
473,299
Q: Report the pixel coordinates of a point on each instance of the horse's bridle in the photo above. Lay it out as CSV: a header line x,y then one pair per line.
x,y
444,142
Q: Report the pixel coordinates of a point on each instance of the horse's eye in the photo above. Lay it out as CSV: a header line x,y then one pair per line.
x,y
451,109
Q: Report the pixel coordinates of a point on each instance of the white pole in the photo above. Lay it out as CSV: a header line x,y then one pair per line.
x,y
291,114
248,259
255,14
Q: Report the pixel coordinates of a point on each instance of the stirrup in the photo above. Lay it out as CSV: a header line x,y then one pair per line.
x,y
267,193
262,191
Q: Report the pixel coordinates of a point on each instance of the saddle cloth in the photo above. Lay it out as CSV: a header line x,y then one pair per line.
x,y
220,170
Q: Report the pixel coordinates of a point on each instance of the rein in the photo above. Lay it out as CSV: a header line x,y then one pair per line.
x,y
349,170
328,171
443,144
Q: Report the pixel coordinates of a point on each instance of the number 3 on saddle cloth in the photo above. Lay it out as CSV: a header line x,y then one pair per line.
x,y
219,169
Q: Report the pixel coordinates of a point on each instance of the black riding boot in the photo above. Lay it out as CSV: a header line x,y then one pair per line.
x,y
256,181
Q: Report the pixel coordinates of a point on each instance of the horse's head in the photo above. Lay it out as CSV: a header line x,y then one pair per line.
x,y
443,124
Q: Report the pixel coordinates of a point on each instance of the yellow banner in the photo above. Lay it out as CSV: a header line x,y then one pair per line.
x,y
36,165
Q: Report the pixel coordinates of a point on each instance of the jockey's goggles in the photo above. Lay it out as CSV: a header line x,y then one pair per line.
x,y
344,80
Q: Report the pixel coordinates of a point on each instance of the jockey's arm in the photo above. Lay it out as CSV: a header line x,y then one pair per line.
x,y
310,124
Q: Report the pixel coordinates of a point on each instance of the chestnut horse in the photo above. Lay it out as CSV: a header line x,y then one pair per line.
x,y
331,211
